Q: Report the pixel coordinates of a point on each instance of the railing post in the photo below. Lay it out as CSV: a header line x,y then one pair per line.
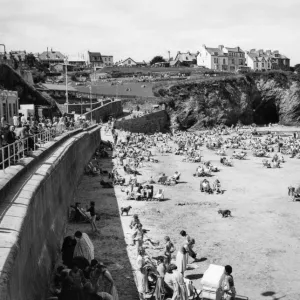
x,y
3,161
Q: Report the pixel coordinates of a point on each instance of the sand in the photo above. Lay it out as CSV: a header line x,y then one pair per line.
x,y
260,241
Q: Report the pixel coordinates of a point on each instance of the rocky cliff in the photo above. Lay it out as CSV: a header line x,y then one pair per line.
x,y
258,98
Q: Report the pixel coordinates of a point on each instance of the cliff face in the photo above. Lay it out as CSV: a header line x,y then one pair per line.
x,y
258,98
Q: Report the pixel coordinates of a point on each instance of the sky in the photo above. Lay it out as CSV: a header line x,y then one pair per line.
x,y
141,29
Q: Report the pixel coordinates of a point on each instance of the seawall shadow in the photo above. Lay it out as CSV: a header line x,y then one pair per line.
x,y
110,245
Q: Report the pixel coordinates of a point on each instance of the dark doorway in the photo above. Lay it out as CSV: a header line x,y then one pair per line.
x,y
266,113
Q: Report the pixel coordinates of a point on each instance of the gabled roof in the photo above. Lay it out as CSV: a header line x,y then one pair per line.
x,y
188,56
215,51
128,59
51,55
234,49
94,54
266,54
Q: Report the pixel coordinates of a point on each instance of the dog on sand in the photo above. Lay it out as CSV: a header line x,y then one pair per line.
x,y
125,210
225,213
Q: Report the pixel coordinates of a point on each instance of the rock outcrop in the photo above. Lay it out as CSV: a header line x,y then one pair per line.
x,y
258,98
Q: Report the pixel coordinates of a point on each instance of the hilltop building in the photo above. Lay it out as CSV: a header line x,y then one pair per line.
x,y
51,57
260,60
221,58
184,59
129,62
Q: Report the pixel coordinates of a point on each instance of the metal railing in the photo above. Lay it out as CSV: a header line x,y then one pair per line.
x,y
10,154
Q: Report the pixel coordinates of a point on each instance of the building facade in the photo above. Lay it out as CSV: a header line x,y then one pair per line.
x,y
184,59
212,58
95,60
236,58
9,105
260,60
129,62
51,57
108,60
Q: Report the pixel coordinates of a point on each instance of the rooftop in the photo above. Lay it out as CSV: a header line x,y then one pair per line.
x,y
215,50
234,49
51,55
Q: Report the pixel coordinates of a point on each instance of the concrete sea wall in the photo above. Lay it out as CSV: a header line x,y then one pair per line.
x,y
33,225
102,113
154,122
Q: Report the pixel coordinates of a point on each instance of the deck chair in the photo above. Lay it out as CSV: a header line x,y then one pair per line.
x,y
196,295
159,195
86,217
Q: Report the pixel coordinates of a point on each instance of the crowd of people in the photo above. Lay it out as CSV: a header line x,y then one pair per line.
x,y
81,276
31,131
164,275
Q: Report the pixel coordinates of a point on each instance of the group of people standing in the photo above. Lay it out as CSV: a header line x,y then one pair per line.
x,y
169,274
82,277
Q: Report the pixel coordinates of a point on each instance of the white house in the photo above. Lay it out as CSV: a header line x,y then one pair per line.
x,y
212,58
129,62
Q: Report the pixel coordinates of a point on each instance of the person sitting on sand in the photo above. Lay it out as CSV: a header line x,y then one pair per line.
x,y
162,176
176,176
217,186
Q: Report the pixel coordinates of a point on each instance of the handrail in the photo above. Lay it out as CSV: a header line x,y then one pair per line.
x,y
11,153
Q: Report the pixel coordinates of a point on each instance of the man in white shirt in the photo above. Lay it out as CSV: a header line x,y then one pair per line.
x,y
16,120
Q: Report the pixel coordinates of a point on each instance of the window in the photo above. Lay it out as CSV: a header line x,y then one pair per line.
x,y
129,61
10,111
14,108
241,62
263,65
256,65
4,111
215,60
224,61
232,61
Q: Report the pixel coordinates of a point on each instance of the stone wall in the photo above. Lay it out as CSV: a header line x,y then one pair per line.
x,y
38,215
154,122
102,113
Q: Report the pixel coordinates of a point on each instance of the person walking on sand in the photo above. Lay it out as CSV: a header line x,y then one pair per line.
x,y
92,211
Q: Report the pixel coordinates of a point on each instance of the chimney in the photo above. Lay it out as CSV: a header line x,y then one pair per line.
x,y
221,47
204,46
178,52
238,48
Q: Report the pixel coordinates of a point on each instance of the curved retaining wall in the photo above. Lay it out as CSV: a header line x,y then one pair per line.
x,y
33,225
151,123
101,114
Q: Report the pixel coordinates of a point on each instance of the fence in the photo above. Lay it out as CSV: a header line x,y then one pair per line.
x,y
10,154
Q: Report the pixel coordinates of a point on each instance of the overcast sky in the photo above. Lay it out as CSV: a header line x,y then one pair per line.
x,y
141,29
